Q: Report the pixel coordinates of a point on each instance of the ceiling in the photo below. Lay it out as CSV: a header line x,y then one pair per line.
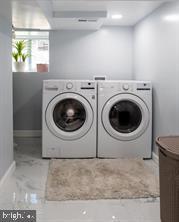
x,y
84,14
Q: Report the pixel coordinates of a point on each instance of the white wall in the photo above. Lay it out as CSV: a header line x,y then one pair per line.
x,y
83,54
6,135
156,44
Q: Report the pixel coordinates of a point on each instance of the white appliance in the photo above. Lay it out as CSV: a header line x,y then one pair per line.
x,y
124,119
69,119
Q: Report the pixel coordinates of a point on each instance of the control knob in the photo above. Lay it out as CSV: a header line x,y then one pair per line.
x,y
69,85
125,87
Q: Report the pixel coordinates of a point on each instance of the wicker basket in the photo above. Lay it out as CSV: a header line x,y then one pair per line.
x,y
169,178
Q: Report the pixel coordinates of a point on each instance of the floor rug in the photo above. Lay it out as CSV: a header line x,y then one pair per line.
x,y
92,179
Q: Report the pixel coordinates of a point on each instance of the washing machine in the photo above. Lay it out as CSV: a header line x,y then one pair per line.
x,y
69,119
124,119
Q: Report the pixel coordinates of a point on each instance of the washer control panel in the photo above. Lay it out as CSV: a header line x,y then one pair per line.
x,y
88,85
49,86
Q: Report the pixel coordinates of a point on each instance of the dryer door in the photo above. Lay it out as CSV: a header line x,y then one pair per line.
x,y
125,117
69,116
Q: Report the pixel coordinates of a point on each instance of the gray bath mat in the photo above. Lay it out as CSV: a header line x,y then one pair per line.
x,y
92,179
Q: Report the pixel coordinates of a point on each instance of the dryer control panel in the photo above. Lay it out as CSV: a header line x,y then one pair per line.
x,y
143,86
123,86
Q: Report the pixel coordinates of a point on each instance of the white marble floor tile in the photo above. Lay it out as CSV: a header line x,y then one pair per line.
x,y
26,190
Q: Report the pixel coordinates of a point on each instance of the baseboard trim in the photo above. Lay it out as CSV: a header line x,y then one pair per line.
x,y
155,158
27,133
8,173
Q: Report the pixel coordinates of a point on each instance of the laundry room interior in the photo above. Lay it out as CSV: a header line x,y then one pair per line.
x,y
89,110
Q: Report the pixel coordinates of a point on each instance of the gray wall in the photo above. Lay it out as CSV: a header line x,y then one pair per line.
x,y
157,59
73,55
83,54
6,133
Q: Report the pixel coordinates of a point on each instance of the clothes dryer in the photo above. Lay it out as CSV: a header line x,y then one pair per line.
x,y
124,119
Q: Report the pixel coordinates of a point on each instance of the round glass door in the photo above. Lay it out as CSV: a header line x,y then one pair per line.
x,y
69,115
125,116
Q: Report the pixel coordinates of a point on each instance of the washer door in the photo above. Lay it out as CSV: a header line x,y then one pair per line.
x,y
69,116
125,117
